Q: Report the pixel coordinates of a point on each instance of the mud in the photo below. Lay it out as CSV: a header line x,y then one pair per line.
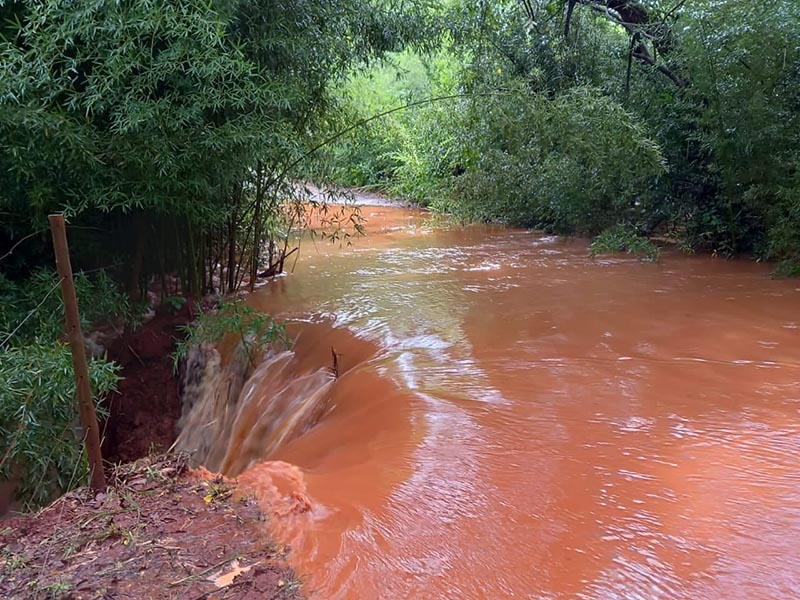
x,y
161,531
146,407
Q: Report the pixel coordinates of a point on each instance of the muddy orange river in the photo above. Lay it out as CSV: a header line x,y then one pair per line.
x,y
515,419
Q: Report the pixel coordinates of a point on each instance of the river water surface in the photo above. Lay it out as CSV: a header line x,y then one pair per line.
x,y
514,419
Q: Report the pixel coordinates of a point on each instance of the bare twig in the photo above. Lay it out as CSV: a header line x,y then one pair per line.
x,y
14,247
335,368
205,571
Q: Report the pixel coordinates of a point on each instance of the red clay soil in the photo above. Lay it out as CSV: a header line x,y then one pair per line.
x,y
146,407
160,531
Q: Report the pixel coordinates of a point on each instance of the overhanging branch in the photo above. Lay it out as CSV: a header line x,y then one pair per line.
x,y
641,26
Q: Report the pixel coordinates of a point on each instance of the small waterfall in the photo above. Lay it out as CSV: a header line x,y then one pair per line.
x,y
208,391
235,415
275,405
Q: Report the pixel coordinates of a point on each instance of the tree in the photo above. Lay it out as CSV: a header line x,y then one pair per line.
x,y
718,95
174,112
647,26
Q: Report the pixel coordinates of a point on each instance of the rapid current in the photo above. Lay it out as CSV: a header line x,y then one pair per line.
x,y
515,419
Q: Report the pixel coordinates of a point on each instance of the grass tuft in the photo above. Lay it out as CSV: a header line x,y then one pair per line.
x,y
621,239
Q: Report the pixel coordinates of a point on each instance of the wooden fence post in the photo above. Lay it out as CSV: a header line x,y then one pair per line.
x,y
91,431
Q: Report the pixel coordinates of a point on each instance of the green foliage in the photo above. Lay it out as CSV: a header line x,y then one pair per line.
x,y
189,114
406,152
164,106
40,437
621,239
121,105
786,268
578,162
253,331
742,62
175,302
427,155
578,133
168,132
33,308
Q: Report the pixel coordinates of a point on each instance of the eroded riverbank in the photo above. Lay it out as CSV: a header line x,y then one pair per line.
x,y
160,531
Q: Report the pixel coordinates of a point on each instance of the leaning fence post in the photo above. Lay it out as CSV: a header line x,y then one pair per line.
x,y
91,431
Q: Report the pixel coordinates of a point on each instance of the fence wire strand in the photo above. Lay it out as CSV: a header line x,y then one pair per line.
x,y
31,313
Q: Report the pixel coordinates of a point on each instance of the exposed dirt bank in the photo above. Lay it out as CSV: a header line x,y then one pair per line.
x,y
146,407
161,531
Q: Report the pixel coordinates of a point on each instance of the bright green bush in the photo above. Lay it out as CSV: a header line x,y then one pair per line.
x,y
41,441
253,330
406,153
786,268
578,162
741,59
621,239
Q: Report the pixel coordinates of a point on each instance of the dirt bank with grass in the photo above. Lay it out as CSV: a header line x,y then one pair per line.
x,y
161,531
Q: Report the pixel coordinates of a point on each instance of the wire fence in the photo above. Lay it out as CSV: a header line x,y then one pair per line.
x,y
9,336
30,314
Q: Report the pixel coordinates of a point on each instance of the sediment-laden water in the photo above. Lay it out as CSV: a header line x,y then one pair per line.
x,y
513,418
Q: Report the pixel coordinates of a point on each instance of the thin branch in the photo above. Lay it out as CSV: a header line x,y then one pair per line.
x,y
645,57
14,247
379,115
31,313
635,20
675,8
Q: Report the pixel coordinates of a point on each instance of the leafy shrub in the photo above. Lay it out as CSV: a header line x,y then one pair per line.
x,y
33,308
407,152
577,162
40,436
786,268
253,330
426,154
619,239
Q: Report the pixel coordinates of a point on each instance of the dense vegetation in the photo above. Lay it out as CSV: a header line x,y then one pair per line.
x,y
168,133
679,119
40,439
172,134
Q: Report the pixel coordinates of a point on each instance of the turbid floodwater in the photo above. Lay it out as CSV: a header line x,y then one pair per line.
x,y
515,419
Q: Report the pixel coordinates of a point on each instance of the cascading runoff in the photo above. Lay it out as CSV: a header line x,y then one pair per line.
x,y
234,415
